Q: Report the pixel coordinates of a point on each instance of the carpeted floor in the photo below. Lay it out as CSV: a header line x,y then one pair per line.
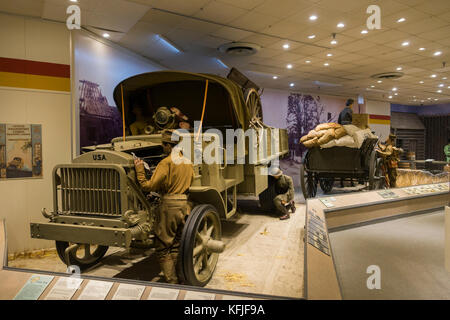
x,y
409,252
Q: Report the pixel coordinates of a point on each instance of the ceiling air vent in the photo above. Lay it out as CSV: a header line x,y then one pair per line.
x,y
387,75
239,48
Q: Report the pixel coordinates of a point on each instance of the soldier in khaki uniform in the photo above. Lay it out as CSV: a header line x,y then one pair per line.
x,y
284,187
172,178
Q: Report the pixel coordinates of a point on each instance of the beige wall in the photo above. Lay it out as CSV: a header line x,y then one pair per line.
x,y
23,199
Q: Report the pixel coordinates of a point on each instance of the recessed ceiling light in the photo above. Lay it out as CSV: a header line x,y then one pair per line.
x,y
420,81
313,17
390,97
439,91
289,66
334,41
364,31
340,25
312,36
444,78
106,35
433,76
286,46
379,81
436,99
396,94
405,43
394,89
401,20
308,61
326,64
441,85
437,53
329,55
73,0
399,68
422,49
372,86
275,77
429,98
292,84
448,87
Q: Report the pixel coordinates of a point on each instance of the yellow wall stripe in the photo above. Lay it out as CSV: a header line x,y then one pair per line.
x,y
31,81
380,121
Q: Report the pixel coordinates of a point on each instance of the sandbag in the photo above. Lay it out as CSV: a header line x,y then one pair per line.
x,y
327,137
312,134
340,132
311,143
330,144
345,141
304,138
328,125
321,133
362,135
351,129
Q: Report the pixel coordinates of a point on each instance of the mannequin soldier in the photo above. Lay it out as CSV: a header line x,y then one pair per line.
x,y
172,178
346,115
284,187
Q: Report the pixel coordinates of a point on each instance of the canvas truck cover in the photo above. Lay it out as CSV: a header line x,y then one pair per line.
x,y
225,106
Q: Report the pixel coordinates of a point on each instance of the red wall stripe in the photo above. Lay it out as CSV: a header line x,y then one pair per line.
x,y
34,67
380,117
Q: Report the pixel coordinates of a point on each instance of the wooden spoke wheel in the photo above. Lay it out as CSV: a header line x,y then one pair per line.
x,y
200,246
308,183
326,184
85,256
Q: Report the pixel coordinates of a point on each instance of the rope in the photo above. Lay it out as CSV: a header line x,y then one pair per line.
x,y
203,111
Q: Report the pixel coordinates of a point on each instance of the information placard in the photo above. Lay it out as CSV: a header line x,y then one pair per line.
x,y
34,287
158,293
128,292
95,290
64,288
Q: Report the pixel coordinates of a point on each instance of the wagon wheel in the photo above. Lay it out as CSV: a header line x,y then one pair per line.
x,y
84,257
253,102
200,246
375,172
308,183
326,184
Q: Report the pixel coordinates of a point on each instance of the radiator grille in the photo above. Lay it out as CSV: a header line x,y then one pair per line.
x,y
94,191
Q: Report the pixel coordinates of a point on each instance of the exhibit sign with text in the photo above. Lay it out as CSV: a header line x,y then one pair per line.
x,y
20,151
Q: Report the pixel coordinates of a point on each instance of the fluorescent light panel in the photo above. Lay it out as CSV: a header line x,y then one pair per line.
x,y
168,43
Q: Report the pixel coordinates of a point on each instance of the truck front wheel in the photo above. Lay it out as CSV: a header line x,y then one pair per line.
x,y
200,246
85,256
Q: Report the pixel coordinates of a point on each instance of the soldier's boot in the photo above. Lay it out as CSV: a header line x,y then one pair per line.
x,y
168,267
292,206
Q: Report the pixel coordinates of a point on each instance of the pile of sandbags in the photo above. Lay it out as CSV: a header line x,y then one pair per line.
x,y
323,134
328,135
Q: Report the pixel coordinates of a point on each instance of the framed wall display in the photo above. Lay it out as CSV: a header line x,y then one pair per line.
x,y
20,151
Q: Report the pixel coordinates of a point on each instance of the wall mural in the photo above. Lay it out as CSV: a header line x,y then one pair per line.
x,y
20,151
99,121
298,113
98,69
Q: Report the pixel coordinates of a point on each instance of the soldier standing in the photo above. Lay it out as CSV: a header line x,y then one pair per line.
x,y
390,155
284,187
172,178
346,115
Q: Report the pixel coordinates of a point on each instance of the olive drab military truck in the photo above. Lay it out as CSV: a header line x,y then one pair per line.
x,y
98,202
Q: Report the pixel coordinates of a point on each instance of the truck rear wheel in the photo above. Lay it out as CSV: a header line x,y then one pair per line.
x,y
84,257
200,246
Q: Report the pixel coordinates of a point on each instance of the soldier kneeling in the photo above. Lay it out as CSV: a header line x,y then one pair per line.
x,y
284,187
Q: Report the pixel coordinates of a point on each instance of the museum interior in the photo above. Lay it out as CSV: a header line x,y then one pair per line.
x,y
224,149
